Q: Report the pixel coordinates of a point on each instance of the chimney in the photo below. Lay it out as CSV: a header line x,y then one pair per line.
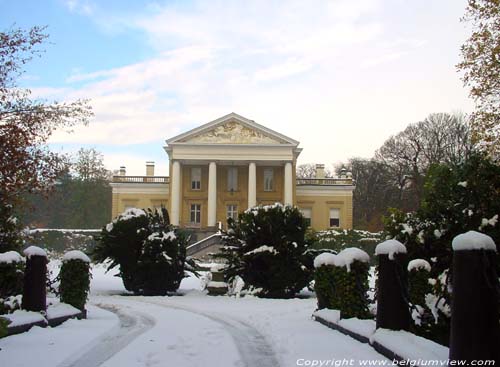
x,y
320,171
150,168
122,171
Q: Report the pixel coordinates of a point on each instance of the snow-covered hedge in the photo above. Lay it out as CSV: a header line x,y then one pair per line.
x,y
341,282
266,247
74,279
11,279
150,252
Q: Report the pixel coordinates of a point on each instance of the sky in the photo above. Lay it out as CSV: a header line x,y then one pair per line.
x,y
339,76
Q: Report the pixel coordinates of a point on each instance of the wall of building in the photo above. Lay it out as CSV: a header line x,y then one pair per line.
x,y
320,206
150,197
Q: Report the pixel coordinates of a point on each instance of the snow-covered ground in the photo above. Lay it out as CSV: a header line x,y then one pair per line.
x,y
189,330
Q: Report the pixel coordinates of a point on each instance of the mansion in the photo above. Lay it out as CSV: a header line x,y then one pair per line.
x,y
221,168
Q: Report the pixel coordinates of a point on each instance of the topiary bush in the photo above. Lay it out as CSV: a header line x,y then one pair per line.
x,y
341,282
74,279
150,252
266,247
11,274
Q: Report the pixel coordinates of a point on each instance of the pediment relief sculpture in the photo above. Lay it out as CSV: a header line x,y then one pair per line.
x,y
232,132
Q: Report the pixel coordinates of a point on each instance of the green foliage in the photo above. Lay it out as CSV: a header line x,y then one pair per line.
x,y
74,282
150,252
60,241
11,278
266,247
457,198
342,289
10,238
338,240
3,327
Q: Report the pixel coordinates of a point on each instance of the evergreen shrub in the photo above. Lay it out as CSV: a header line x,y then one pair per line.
x,y
266,247
11,278
75,279
151,253
341,282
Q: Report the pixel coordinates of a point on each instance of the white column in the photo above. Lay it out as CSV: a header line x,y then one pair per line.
x,y
212,194
175,182
252,185
288,197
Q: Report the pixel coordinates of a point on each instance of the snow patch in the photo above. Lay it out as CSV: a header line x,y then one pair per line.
x,y
23,317
264,248
325,258
75,255
11,257
419,264
34,251
409,346
390,247
462,183
61,310
473,240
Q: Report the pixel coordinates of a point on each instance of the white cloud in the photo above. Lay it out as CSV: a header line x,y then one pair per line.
x,y
340,76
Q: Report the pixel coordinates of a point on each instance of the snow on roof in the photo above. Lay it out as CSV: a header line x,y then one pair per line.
x,y
473,240
390,247
11,257
34,251
419,264
75,255
344,258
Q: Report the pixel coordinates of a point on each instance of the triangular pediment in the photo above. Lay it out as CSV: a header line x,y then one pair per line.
x,y
232,129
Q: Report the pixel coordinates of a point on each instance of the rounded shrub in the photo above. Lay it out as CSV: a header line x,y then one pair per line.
x,y
11,274
75,279
341,282
266,247
151,253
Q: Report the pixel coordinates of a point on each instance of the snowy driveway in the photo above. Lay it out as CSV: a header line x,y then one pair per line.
x,y
184,331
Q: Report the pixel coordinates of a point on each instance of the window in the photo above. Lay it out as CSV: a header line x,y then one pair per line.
x,y
232,211
268,179
306,213
232,178
334,217
195,213
195,178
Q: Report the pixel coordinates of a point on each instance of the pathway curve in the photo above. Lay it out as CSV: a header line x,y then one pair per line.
x,y
132,325
251,344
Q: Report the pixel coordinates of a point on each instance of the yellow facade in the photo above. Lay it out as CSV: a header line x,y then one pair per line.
x,y
233,142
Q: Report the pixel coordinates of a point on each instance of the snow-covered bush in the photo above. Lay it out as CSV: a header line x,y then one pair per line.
x,y
457,198
74,279
266,247
11,279
341,282
418,288
150,252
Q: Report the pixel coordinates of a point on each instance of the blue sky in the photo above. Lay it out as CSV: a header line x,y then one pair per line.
x,y
340,76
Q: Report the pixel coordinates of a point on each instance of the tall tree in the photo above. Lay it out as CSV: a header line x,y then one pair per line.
x,y
26,163
26,124
481,67
440,138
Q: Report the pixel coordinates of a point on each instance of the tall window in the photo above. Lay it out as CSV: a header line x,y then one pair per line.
x,y
232,179
268,179
334,217
196,213
195,178
232,211
306,213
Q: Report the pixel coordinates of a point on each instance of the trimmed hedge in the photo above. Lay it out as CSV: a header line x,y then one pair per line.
x,y
75,282
342,289
11,274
